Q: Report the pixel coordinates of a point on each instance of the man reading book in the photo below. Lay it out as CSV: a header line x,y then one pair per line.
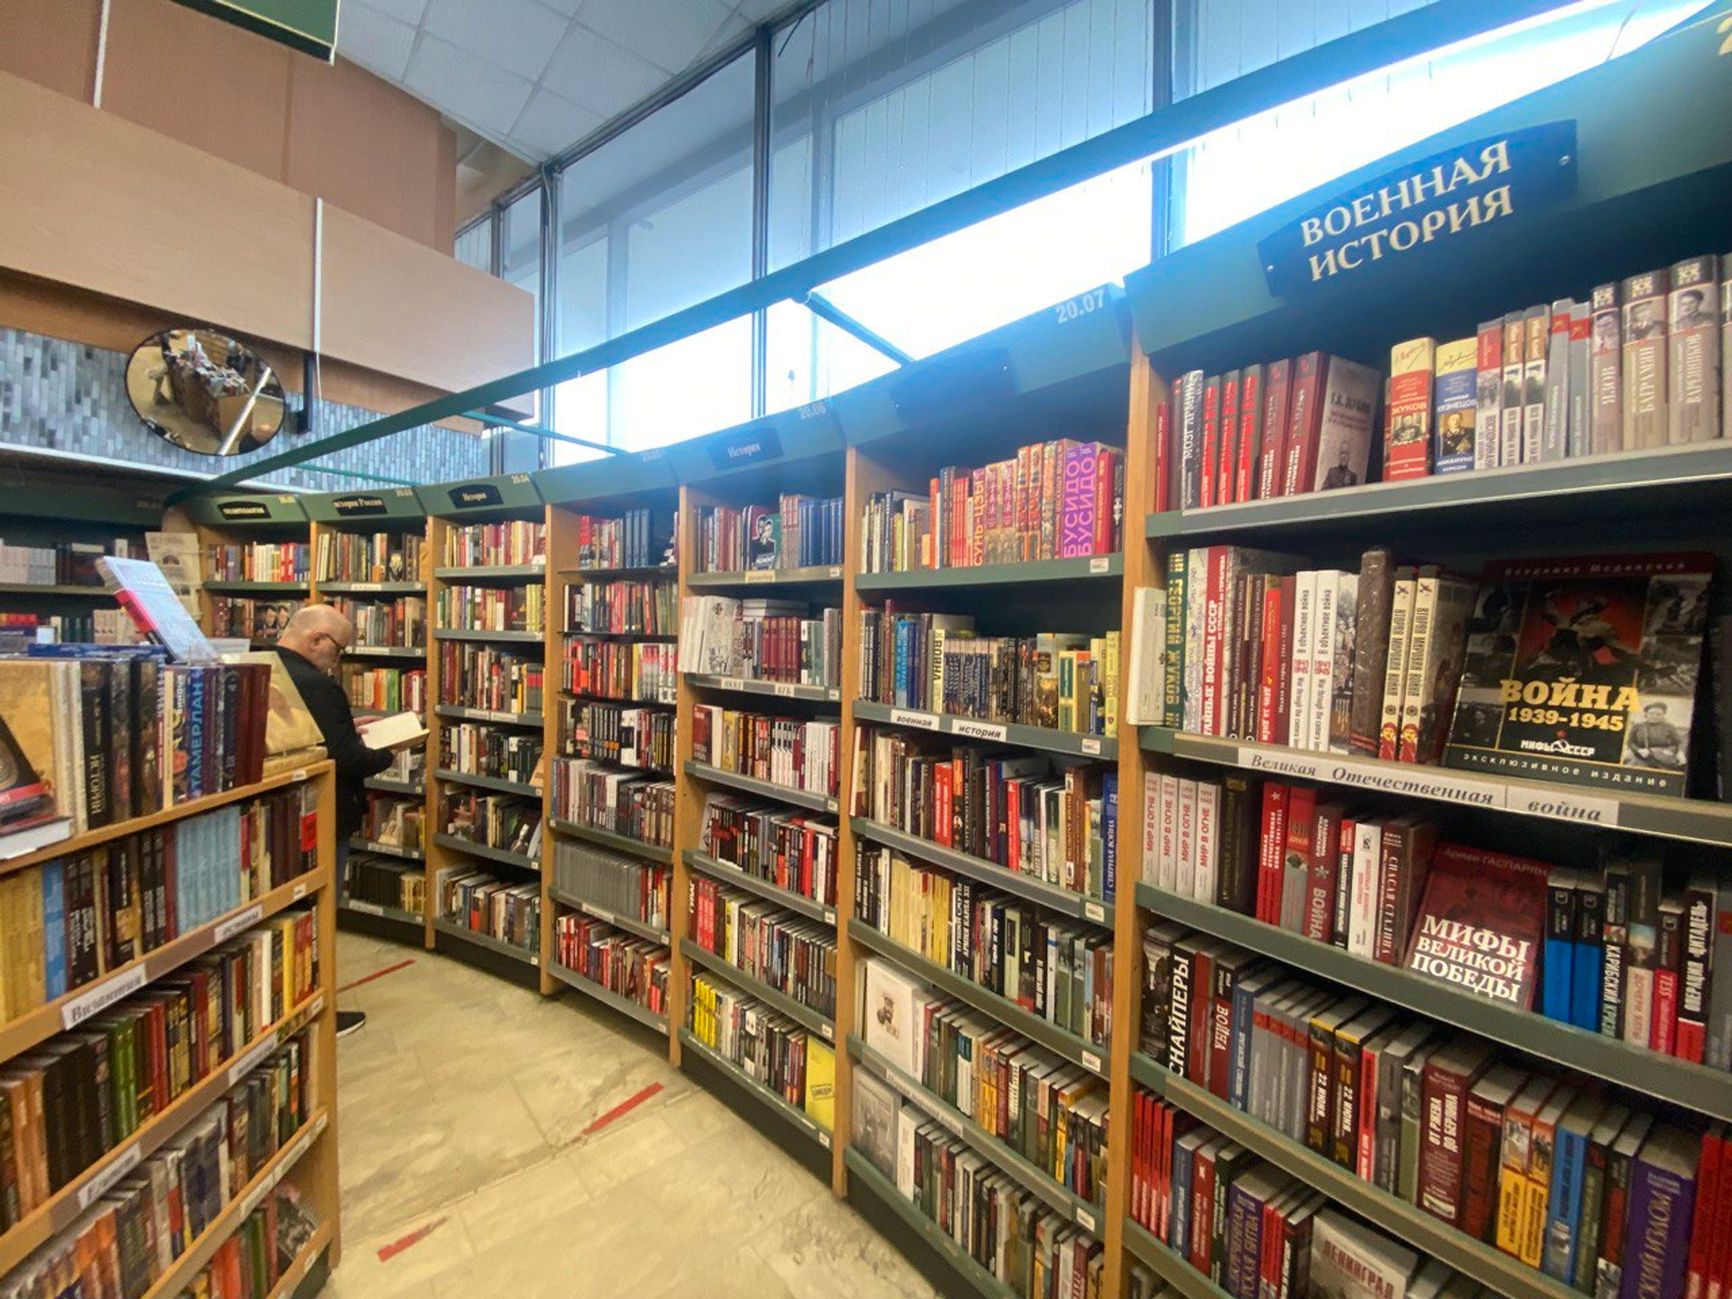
x,y
310,644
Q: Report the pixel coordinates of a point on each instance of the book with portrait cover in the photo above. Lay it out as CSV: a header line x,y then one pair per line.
x,y
1480,924
1351,1261
1584,670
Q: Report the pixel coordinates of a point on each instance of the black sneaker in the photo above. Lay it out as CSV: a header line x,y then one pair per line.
x,y
350,1021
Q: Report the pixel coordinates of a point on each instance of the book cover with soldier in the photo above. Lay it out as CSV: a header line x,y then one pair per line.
x,y
1584,670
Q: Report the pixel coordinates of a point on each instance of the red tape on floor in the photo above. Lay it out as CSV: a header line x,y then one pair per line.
x,y
623,1108
396,1247
377,974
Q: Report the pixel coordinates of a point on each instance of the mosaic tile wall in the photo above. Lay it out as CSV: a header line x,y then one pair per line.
x,y
71,397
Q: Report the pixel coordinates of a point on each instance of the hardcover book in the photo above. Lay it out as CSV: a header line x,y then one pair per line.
x,y
1456,409
1605,372
1693,354
1480,922
1348,405
1488,404
1408,453
1584,670
1350,1261
1644,378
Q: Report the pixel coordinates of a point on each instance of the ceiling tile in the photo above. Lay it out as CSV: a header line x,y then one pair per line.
x,y
518,35
404,11
476,92
755,11
599,74
567,7
377,43
551,124
729,32
669,33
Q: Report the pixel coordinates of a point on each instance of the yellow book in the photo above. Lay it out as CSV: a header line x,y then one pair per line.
x,y
1531,1240
820,1084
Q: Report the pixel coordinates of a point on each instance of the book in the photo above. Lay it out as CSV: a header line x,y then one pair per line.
x,y
1411,370
1456,406
1403,590
1536,341
889,1014
1479,925
1488,395
1605,371
1693,353
397,731
1662,1199
1374,601
1351,1261
1644,372
1348,401
1436,632
1555,439
155,608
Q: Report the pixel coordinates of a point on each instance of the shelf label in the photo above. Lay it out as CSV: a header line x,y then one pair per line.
x,y
826,1032
829,916
367,586
1095,911
783,690
1388,778
833,695
756,575
237,922
913,717
947,1116
1582,808
1092,747
829,805
1091,1062
105,1181
318,1005
366,908
101,997
1085,1219
253,1058
1100,564
835,570
297,775
980,730
823,1138
730,683
256,1196
300,891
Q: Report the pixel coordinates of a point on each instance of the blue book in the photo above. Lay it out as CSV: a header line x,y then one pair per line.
x,y
1559,957
1110,831
904,635
1589,953
196,703
1245,991
53,929
1184,1151
1564,1204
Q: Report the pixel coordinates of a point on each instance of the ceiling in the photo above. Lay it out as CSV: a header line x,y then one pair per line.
x,y
536,76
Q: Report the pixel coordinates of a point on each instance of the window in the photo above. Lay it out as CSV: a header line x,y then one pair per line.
x,y
520,252
475,245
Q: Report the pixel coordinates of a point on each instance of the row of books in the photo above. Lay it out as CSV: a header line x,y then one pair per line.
x,y
604,797
485,904
795,851
626,886
492,608
761,639
503,821
516,542
370,556
245,617
259,561
625,964
482,676
1055,500
766,1046
89,1089
1056,970
478,749
797,753
787,952
994,1219
632,736
394,821
101,734
1052,821
137,1230
640,538
397,623
19,629
1049,1111
378,881
384,690
625,607
644,671
72,920
250,1263
935,661
63,563
797,532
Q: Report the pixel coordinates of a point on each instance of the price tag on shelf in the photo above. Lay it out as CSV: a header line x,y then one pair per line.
x,y
237,922
1584,809
914,717
833,695
366,908
253,1058
1100,564
256,1196
827,1032
106,1180
1091,1062
824,1138
297,775
300,891
829,916
369,586
318,1005
101,997
829,805
730,683
980,730
757,575
1095,911
835,570
1085,1219
1092,747
784,690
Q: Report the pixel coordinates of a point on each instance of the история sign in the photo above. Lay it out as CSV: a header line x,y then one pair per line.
x,y
1447,194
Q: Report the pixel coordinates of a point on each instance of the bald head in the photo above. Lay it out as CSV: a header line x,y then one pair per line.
x,y
319,634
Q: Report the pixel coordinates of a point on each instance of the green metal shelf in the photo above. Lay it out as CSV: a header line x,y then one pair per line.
x,y
864,1176
358,844
256,588
632,925
607,997
452,843
766,577
1051,1036
508,950
387,651
372,588
796,1118
374,911
489,637
496,783
1141,1244
1080,568
774,998
1695,820
799,902
618,842
488,715
384,786
1692,1086
780,689
1043,738
752,785
58,590
1092,910
492,574
1505,1275
608,574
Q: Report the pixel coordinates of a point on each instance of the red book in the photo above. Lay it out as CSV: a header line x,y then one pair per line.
x,y
1169,472
1296,863
1214,620
1271,852
1203,1206
1284,663
1272,462
1211,437
1709,1175
1229,465
1106,463
1304,424
1202,1011
1250,431
1272,666
1476,903
1482,1151
1449,1074
1325,850
1407,844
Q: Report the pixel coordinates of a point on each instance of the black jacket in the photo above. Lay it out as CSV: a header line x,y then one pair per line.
x,y
329,706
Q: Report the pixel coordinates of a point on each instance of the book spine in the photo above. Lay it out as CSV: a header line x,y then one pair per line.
x,y
1605,372
1440,1181
1693,354
1559,961
1514,359
1587,948
1417,683
1190,422
1581,394
1211,441
1173,663
1251,404
1395,667
1692,1034
1371,649
1555,439
1272,461
1411,369
1536,338
1482,1146
1228,465
1488,405
1644,371
1305,425
1299,673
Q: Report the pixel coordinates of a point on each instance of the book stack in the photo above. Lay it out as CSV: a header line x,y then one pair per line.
x,y
259,561
631,737
797,532
641,671
1051,822
764,1045
626,965
514,543
394,822
484,904
502,821
622,608
1053,969
798,753
795,851
384,690
369,557
789,953
482,676
385,882
625,886
399,623
1055,500
641,538
619,802
761,640
475,749
492,608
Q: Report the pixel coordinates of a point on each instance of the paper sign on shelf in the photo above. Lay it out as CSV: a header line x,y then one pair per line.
x,y
1100,564
1091,1061
980,730
365,908
300,891
101,997
826,1032
914,717
253,1058
757,575
1584,809
1085,1219
1095,911
105,1181
783,690
1091,747
237,922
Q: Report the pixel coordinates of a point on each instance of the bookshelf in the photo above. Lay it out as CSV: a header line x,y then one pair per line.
x,y
486,587
370,558
243,523
307,1158
37,514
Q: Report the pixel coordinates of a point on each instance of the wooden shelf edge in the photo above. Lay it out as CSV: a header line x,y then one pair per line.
x,y
297,1271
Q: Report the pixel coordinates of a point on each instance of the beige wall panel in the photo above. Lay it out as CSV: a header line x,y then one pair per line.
x,y
59,54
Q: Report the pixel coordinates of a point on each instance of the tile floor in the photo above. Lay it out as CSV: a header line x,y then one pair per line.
x,y
467,1171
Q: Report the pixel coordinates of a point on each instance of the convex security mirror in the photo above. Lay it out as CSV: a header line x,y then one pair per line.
x,y
203,391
